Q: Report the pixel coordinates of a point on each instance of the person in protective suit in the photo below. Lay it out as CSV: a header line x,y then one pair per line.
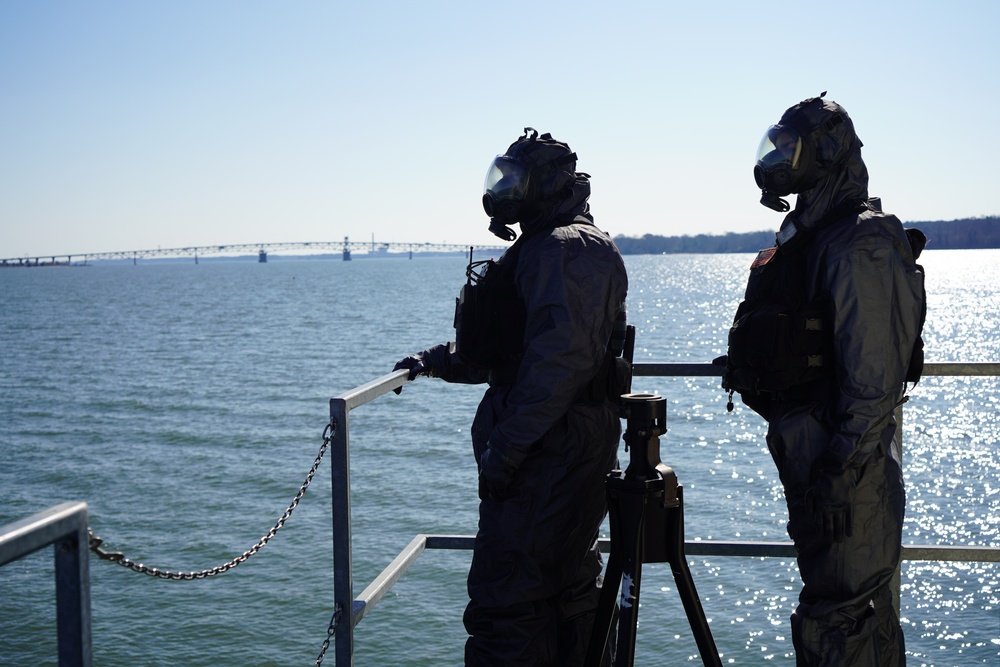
x,y
821,347
538,327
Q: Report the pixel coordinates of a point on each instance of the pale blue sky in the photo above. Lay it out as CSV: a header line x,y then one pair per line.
x,y
134,125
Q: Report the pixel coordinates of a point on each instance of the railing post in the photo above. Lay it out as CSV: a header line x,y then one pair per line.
x,y
72,567
343,565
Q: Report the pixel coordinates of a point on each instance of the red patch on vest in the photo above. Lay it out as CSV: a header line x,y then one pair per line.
x,y
763,257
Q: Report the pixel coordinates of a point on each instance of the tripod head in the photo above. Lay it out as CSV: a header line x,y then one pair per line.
x,y
646,420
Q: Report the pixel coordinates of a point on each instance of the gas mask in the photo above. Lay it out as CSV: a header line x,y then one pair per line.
x,y
522,184
505,194
785,164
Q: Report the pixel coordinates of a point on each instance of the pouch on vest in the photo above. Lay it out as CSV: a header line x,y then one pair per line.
x,y
773,347
614,378
489,314
469,322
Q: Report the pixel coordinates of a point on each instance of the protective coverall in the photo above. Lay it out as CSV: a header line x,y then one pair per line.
x,y
835,444
544,444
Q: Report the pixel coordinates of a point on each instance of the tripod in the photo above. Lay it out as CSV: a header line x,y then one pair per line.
x,y
646,510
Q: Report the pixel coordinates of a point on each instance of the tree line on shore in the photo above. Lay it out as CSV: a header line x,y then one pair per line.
x,y
965,233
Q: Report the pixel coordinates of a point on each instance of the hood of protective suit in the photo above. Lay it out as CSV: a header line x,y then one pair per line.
x,y
565,210
842,175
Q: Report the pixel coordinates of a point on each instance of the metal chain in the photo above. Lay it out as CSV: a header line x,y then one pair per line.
x,y
329,634
121,559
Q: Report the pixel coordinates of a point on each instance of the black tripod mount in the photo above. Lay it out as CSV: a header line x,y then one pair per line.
x,y
646,511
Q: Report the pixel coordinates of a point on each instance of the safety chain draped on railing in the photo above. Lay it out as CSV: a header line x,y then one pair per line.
x,y
121,559
124,561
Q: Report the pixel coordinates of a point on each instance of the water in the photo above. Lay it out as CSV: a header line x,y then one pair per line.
x,y
185,403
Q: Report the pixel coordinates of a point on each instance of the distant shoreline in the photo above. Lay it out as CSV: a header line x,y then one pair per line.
x,y
964,234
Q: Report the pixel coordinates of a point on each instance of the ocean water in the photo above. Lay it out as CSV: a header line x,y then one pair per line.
x,y
186,402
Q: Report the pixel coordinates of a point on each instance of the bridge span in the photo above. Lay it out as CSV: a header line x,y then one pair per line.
x,y
345,248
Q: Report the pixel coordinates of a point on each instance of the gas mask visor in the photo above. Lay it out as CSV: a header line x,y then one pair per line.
x,y
505,188
779,157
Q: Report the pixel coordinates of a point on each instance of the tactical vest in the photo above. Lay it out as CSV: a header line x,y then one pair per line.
x,y
778,339
780,342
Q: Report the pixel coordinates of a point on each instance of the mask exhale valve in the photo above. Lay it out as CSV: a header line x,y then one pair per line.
x,y
774,202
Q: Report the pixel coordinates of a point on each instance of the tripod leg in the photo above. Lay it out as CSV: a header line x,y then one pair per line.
x,y
685,585
632,538
609,594
624,569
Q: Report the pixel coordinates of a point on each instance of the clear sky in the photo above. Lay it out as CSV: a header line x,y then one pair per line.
x,y
133,125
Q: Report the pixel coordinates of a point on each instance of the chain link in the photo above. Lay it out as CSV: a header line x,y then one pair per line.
x,y
334,620
124,561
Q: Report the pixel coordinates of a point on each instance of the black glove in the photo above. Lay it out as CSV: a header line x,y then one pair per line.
x,y
429,362
830,497
495,475
415,363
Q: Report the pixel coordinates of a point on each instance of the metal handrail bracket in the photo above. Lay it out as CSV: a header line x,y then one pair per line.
x,y
389,576
63,526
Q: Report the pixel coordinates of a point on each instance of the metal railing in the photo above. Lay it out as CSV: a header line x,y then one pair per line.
x,y
65,528
355,608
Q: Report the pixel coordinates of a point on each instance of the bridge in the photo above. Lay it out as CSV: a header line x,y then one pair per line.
x,y
346,248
